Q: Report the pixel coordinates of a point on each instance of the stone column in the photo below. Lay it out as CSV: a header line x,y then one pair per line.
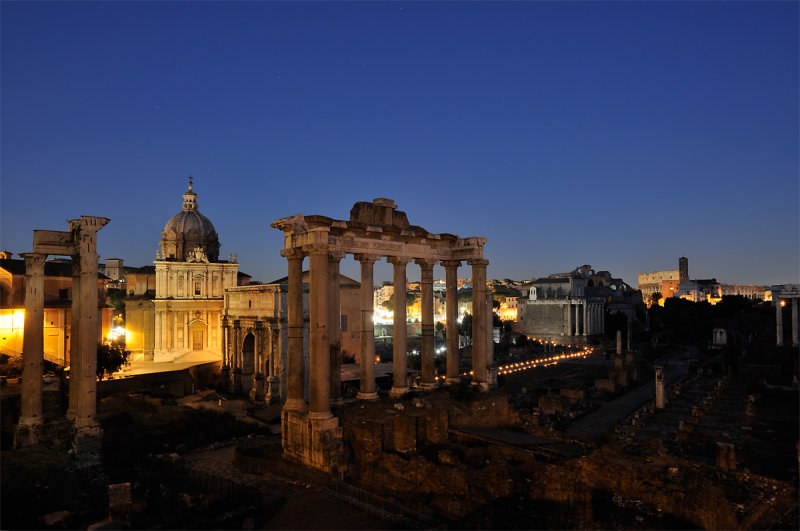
x,y
585,318
319,402
399,332
273,389
75,382
619,342
490,366
335,326
660,396
779,322
32,351
88,433
795,338
451,303
258,391
479,358
426,277
569,318
236,368
367,389
226,368
295,374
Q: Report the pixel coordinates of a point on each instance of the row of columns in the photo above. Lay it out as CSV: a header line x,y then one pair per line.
x,y
779,322
584,319
324,385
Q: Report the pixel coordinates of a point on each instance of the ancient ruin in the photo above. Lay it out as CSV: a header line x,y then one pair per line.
x,y
375,230
80,242
780,294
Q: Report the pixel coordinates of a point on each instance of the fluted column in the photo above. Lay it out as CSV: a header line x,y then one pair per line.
x,y
296,364
335,326
399,331
779,322
491,374
479,358
33,340
795,338
426,275
451,308
319,402
367,389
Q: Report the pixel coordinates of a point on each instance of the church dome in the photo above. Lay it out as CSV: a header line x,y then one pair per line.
x,y
187,230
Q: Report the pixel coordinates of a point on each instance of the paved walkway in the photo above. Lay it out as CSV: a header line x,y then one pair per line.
x,y
589,427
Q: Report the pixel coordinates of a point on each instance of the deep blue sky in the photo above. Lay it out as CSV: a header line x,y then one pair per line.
x,y
618,134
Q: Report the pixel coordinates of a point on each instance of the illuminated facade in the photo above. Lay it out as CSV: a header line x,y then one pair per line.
x,y
57,308
175,308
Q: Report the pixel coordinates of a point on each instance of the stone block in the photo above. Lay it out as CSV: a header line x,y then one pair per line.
x,y
366,439
432,427
405,433
726,456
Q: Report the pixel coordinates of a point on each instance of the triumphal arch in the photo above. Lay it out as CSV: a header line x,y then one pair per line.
x,y
310,431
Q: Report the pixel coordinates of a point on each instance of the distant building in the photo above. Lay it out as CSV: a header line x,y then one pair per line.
x,y
569,307
654,282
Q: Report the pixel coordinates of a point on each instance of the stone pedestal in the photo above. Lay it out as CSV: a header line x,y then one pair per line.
x,y
314,442
661,397
273,390
258,392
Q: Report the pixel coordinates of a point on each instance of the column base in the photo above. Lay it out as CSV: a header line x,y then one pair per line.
x,y
295,404
258,393
316,416
236,381
398,392
26,435
427,386
314,442
451,381
338,401
367,396
482,386
273,390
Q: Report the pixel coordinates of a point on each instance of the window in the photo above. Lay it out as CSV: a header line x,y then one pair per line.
x,y
344,323
197,287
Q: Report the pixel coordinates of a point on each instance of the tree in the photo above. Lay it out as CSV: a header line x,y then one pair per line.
x,y
654,298
110,358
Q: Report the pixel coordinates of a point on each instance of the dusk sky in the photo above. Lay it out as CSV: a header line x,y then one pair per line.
x,y
618,134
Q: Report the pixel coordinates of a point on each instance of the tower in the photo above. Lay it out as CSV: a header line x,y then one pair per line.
x,y
683,269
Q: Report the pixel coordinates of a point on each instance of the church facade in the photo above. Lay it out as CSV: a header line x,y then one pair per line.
x,y
184,314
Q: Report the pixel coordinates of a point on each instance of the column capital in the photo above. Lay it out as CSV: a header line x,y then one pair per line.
x,y
336,256
398,260
34,260
425,263
293,253
237,323
478,262
364,258
450,263
224,320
